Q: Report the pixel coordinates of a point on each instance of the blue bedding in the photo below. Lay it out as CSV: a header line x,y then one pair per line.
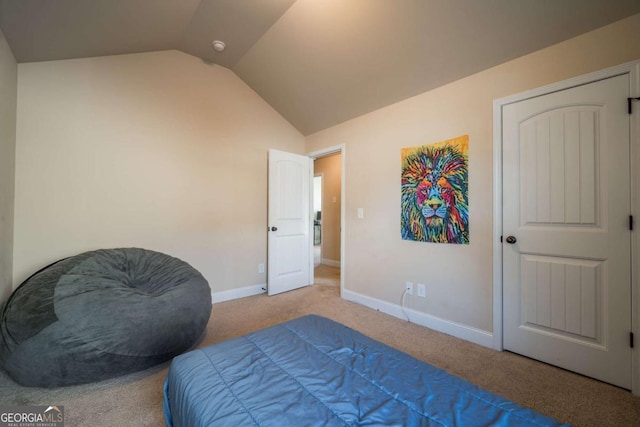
x,y
312,371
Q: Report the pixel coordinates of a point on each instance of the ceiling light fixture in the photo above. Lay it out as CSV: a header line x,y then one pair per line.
x,y
218,46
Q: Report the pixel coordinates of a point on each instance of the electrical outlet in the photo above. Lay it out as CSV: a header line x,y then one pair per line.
x,y
409,287
260,268
421,290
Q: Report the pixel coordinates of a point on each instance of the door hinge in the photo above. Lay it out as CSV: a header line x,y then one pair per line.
x,y
631,222
631,339
630,104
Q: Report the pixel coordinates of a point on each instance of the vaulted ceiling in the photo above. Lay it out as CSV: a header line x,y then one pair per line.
x,y
317,62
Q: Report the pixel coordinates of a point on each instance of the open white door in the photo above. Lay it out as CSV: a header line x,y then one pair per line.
x,y
289,227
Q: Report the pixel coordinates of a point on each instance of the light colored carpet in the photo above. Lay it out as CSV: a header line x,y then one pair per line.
x,y
136,400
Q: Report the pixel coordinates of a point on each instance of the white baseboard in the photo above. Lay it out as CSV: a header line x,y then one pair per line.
x,y
448,327
330,262
232,294
457,330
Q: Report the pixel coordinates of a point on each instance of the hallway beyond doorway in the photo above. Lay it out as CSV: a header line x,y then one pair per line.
x,y
325,275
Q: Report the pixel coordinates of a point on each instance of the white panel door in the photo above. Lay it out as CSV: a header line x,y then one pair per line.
x,y
289,226
566,201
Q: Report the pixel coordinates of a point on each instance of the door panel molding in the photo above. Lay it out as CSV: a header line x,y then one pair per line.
x,y
632,69
573,308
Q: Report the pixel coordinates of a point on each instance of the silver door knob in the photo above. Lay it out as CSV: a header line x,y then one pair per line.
x,y
511,240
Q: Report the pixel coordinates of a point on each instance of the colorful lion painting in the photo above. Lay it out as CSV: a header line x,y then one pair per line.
x,y
435,204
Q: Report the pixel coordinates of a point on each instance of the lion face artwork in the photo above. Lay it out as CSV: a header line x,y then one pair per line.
x,y
435,205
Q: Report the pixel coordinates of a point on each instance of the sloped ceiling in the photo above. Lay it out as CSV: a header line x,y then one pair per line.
x,y
317,62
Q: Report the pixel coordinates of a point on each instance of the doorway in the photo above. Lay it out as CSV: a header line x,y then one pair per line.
x,y
328,213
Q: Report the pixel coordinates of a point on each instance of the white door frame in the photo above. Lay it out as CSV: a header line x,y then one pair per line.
x,y
325,152
633,69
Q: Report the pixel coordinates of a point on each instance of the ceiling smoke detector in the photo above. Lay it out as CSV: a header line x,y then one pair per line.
x,y
218,46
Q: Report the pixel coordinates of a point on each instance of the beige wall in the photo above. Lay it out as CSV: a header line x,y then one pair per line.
x,y
8,96
458,278
155,150
331,168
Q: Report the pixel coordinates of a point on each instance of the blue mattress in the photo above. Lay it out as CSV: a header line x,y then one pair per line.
x,y
312,371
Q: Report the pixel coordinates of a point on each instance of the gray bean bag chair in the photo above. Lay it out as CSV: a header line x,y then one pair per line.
x,y
102,314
